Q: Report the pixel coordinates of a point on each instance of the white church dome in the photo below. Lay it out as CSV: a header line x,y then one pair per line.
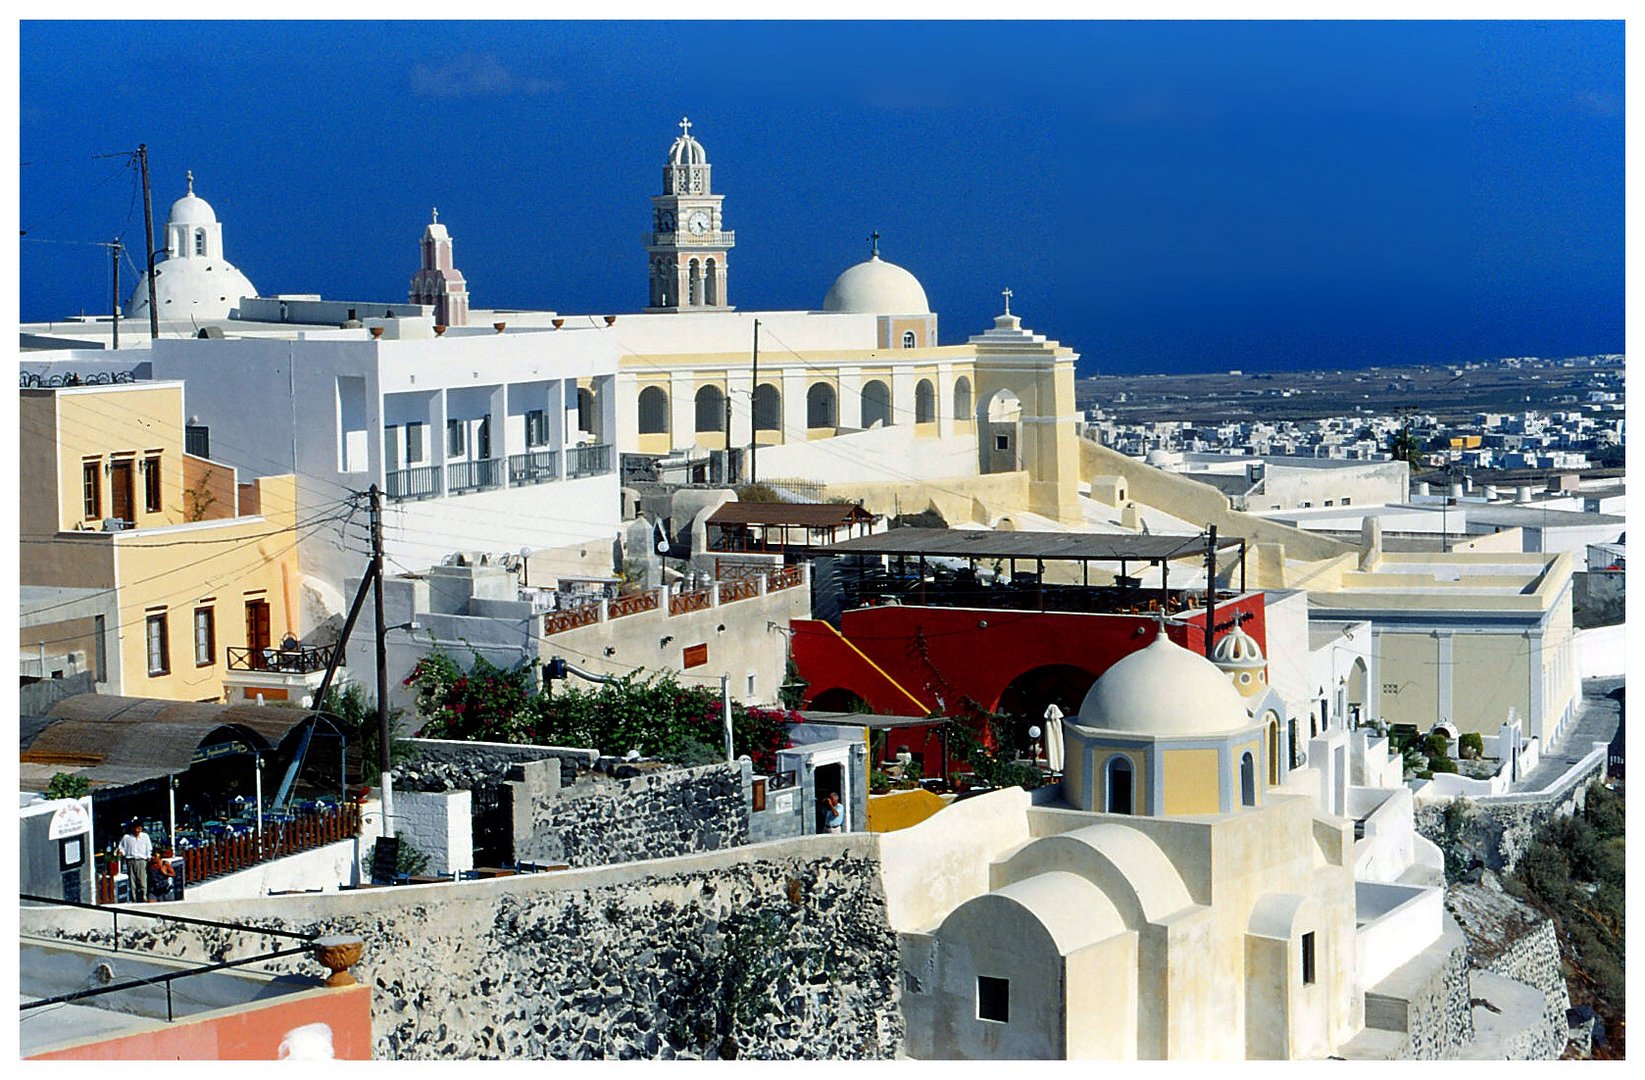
x,y
1164,690
1237,649
876,287
687,151
192,210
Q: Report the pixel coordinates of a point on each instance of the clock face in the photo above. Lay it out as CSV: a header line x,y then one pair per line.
x,y
698,223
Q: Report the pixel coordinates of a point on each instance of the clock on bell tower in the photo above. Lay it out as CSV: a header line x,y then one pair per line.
x,y
686,247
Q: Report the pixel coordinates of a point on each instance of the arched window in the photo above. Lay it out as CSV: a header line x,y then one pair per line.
x,y
199,241
768,408
876,404
653,411
710,409
962,398
1247,779
908,339
1296,749
711,284
819,406
1273,751
925,402
1120,786
695,282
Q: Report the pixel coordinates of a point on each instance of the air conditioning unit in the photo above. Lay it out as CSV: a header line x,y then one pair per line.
x,y
116,524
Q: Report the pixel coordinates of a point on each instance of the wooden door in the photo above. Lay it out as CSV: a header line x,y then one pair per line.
x,y
121,492
257,631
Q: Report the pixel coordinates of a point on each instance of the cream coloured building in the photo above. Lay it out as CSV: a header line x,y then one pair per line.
x,y
1219,906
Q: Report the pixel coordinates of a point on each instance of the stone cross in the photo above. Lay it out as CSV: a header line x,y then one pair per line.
x,y
191,181
874,242
436,214
1006,292
685,125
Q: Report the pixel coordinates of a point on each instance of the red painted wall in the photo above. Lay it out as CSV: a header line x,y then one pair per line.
x,y
250,1034
976,653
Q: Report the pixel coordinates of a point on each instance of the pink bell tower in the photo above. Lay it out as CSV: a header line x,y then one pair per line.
x,y
439,283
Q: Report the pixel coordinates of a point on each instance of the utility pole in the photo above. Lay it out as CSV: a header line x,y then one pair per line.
x,y
148,230
1210,587
376,573
754,414
114,250
725,706
728,477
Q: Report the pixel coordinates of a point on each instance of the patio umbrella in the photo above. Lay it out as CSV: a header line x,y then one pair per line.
x,y
1053,738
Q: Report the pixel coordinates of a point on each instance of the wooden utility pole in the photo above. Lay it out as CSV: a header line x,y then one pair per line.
x,y
148,231
383,738
1210,588
114,250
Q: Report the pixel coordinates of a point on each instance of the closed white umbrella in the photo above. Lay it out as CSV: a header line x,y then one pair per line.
x,y
1053,738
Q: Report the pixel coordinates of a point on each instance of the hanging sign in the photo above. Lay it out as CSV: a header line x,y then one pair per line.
x,y
70,819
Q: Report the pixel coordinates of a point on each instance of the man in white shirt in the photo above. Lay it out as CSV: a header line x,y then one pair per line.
x,y
135,850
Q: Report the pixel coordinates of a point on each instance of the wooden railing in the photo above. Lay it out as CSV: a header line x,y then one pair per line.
x,y
680,603
784,579
631,605
732,591
557,621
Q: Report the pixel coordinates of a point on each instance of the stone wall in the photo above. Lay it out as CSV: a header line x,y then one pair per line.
x,y
764,952
483,768
654,815
1496,830
1510,938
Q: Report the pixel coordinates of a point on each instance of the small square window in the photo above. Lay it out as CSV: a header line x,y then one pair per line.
x,y
993,999
1002,442
1308,972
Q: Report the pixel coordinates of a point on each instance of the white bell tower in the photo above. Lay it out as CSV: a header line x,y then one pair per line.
x,y
686,247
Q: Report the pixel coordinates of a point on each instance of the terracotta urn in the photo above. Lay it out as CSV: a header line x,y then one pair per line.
x,y
338,953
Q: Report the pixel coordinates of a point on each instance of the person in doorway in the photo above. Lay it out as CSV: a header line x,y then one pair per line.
x,y
834,818
135,850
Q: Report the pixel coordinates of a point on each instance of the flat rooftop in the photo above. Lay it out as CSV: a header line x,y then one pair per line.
x,y
1050,546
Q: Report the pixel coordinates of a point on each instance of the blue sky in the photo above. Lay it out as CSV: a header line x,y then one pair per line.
x,y
1161,196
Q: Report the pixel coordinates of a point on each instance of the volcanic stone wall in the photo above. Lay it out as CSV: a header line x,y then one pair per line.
x,y
761,952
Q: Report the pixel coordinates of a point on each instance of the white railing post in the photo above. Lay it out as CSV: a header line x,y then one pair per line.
x,y
714,594
605,610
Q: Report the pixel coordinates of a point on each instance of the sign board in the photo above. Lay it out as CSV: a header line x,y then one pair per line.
x,y
385,860
696,655
70,819
783,802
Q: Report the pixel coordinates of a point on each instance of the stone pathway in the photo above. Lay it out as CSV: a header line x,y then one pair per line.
x,y
1596,721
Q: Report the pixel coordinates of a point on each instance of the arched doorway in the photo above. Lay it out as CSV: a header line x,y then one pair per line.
x,y
1247,780
1273,748
711,284
876,404
710,409
768,408
1358,692
1025,697
1121,786
1001,431
820,406
839,699
653,406
925,402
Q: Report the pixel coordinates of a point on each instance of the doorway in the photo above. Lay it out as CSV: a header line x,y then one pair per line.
x,y
830,778
257,632
121,491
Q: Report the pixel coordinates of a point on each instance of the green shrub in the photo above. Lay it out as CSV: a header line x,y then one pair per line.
x,y
1436,745
1441,764
67,786
1472,744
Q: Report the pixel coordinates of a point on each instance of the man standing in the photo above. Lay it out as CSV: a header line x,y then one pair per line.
x,y
834,821
135,849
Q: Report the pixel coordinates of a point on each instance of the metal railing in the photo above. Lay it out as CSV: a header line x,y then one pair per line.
x,y
418,482
167,978
473,475
587,460
298,661
532,467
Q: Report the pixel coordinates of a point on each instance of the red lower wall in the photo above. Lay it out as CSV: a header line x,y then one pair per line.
x,y
250,1034
942,656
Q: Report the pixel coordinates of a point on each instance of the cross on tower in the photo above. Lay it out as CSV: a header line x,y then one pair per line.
x,y
191,181
436,213
685,126
874,244
1006,292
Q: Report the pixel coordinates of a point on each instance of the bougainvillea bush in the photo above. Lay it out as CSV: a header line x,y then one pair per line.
x,y
654,714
